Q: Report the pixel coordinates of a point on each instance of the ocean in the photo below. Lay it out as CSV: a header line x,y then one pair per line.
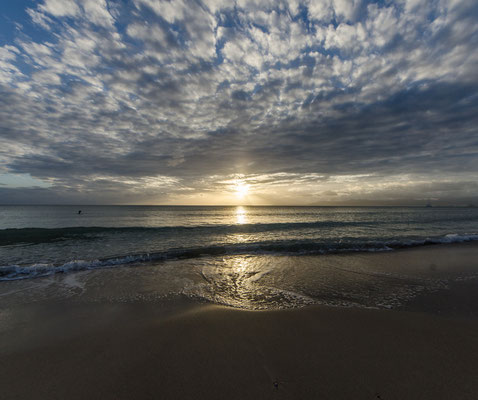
x,y
250,257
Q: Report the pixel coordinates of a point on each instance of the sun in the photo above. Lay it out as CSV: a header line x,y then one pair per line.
x,y
241,189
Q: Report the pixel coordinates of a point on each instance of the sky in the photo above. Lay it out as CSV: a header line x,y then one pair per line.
x,y
329,102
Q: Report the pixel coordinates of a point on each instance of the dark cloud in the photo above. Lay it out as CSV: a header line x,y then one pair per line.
x,y
159,101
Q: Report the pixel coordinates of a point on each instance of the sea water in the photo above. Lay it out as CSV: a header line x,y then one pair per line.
x,y
250,257
39,240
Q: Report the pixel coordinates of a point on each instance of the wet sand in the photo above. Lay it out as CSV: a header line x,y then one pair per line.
x,y
186,350
211,352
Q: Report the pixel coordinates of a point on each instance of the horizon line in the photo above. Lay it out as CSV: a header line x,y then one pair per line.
x,y
234,205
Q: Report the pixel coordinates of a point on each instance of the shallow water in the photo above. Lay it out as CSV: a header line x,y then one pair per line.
x,y
260,282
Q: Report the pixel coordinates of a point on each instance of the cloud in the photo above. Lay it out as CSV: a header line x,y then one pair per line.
x,y
114,95
60,8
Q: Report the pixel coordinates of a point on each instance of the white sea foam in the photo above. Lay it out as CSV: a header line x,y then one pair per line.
x,y
15,272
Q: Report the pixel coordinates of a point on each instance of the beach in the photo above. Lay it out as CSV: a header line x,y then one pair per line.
x,y
238,200
184,348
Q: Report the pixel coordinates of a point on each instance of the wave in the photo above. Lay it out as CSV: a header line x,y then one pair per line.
x,y
19,236
297,247
45,235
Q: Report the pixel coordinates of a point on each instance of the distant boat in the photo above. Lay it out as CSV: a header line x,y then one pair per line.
x,y
429,205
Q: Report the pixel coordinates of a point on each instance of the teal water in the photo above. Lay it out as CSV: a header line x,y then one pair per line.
x,y
43,240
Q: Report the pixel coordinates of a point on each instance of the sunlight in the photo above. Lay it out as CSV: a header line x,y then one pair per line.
x,y
235,283
241,189
241,215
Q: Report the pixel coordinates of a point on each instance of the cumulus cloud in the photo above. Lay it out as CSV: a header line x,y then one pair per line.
x,y
167,101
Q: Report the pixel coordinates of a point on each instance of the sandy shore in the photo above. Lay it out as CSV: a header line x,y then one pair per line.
x,y
180,349
210,352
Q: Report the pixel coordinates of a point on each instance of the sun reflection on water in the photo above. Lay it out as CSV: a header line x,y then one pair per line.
x,y
241,215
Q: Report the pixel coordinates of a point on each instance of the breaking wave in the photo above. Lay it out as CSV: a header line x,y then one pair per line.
x,y
289,247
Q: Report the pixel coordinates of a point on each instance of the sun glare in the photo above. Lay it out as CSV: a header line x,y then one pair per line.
x,y
241,190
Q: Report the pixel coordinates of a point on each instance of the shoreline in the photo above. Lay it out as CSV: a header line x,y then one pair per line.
x,y
14,272
392,278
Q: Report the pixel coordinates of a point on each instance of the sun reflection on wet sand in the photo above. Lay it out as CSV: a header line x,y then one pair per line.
x,y
246,282
241,215
234,282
